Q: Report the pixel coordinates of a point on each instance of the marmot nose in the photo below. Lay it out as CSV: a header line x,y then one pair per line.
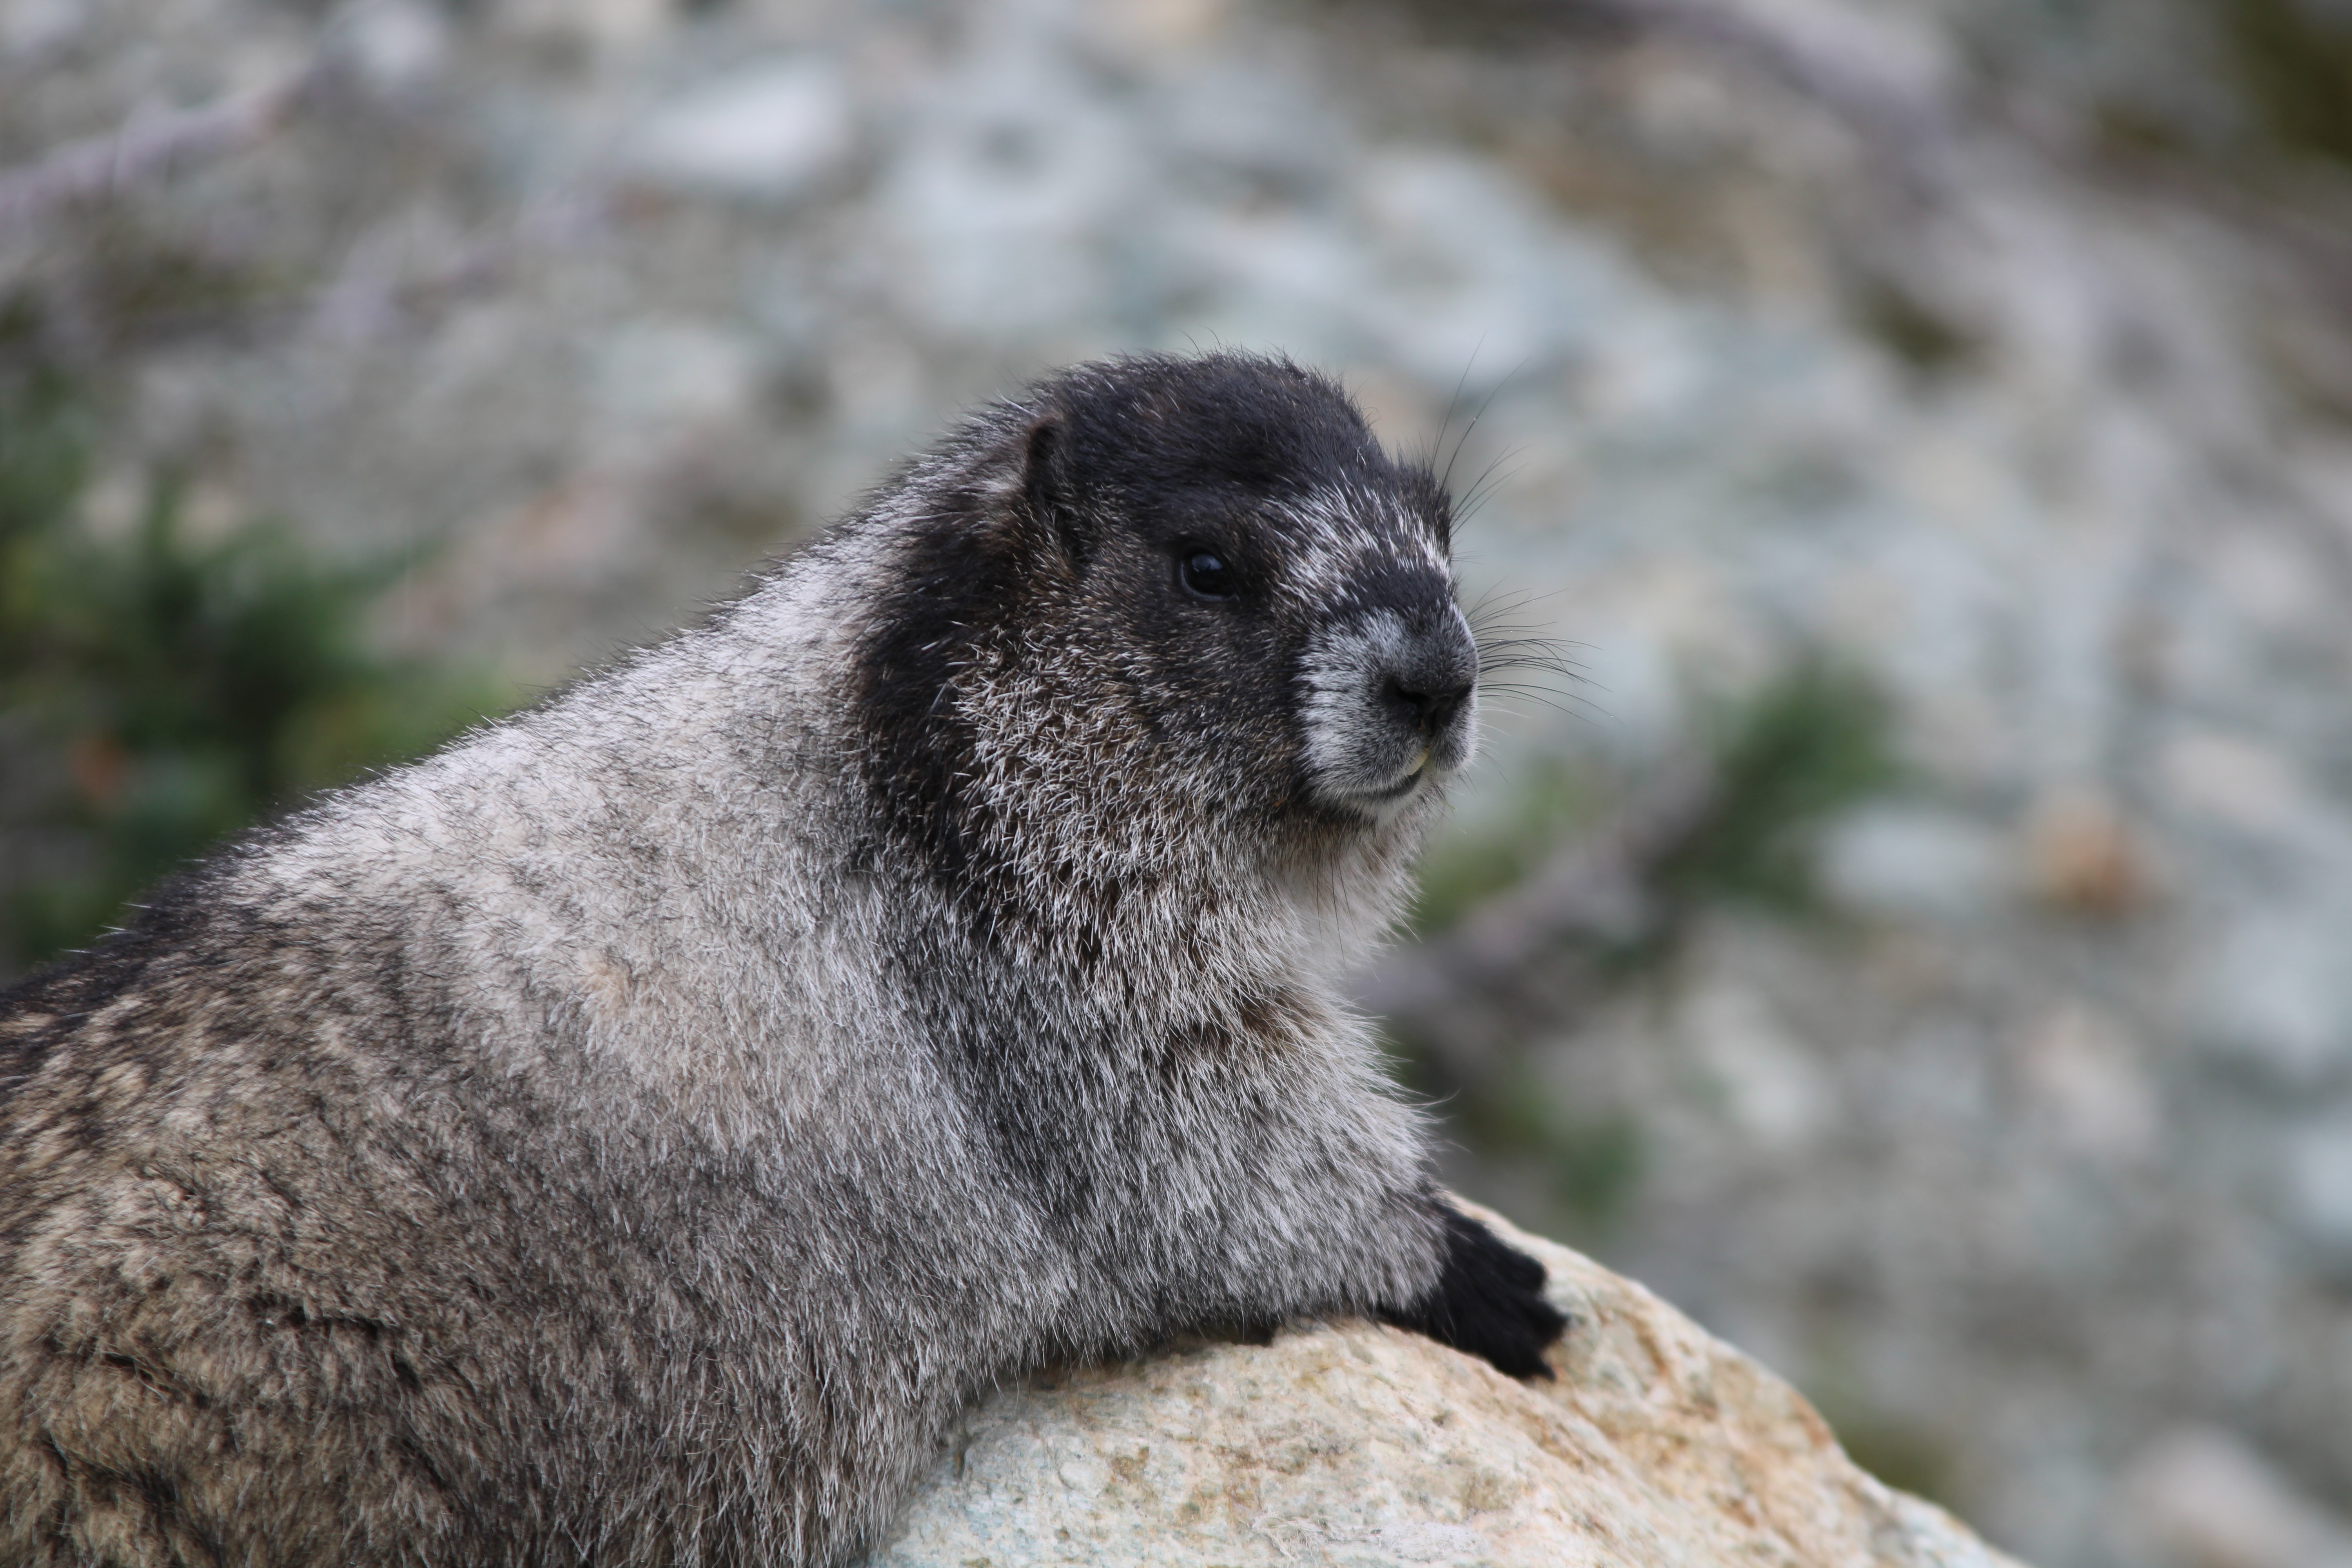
x,y
1426,698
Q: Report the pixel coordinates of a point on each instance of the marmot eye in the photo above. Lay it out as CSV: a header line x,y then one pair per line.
x,y
1205,576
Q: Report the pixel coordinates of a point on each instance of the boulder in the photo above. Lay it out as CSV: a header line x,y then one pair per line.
x,y
1352,1443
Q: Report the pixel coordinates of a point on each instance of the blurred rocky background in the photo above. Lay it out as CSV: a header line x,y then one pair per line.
x,y
1914,935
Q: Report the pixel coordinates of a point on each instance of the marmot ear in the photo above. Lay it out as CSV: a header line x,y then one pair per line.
x,y
1047,494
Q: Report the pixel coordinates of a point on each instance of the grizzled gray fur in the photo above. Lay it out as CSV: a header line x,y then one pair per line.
x,y
628,1135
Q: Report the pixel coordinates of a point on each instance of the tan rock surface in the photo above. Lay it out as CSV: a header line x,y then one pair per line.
x,y
1352,1443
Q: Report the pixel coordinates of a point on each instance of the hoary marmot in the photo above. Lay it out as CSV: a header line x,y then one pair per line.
x,y
628,1135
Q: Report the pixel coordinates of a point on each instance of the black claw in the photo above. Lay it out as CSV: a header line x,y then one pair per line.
x,y
1489,1302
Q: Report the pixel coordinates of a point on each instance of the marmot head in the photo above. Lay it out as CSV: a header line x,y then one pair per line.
x,y
1157,612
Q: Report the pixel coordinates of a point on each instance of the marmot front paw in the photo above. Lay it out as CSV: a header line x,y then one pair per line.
x,y
1488,1301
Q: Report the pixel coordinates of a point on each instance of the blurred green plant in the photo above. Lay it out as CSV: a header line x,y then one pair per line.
x,y
1780,763
2287,66
1465,868
159,691
1590,1165
1903,1451
1921,338
1905,1456
2293,63
1783,758
1811,743
1585,1168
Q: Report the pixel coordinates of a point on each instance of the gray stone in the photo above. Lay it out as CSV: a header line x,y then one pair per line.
x,y
1917,861
768,132
2273,995
2318,1184
2201,1497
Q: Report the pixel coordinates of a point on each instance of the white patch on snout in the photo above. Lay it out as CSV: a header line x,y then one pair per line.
x,y
1357,752
1338,531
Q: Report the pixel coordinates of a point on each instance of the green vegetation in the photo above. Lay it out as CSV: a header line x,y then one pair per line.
x,y
2294,66
1920,337
1786,759
1590,1164
1907,1457
1466,867
1900,1449
2287,66
158,690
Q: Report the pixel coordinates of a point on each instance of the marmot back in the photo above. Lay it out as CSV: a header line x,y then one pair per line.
x,y
628,1135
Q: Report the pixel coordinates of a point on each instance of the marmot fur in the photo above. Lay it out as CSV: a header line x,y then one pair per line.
x,y
628,1135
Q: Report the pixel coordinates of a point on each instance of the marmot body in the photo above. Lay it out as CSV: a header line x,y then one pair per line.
x,y
627,1136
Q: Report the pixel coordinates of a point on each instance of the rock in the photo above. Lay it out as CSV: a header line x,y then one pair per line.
x,y
2318,1192
2200,1497
767,132
1770,1088
2233,780
2271,996
397,46
2088,1075
1354,1443
1917,861
2083,857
